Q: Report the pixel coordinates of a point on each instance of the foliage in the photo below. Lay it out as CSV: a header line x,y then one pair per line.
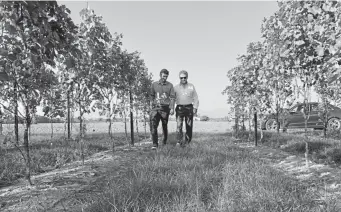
x,y
49,60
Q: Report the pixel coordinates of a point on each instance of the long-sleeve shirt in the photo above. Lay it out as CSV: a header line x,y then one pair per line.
x,y
186,94
162,94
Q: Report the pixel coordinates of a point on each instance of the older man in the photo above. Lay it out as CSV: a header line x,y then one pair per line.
x,y
162,104
187,104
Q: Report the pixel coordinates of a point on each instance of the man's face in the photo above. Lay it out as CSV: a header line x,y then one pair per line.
x,y
183,78
163,77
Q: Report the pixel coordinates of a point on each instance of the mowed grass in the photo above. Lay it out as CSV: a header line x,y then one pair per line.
x,y
47,154
209,175
321,150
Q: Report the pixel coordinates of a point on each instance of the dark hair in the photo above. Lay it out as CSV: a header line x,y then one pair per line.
x,y
165,71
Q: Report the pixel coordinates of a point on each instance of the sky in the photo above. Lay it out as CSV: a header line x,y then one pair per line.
x,y
201,37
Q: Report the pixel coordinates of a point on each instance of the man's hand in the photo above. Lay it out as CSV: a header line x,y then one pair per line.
x,y
195,111
171,112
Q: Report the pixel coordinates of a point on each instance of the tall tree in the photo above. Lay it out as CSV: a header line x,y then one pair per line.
x,y
94,38
107,86
34,33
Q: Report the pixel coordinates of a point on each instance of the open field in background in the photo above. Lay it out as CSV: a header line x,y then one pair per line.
x,y
43,131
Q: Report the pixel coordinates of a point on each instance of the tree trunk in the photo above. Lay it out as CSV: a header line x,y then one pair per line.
x,y
250,118
110,129
16,120
255,118
137,125
131,119
145,125
306,142
261,130
125,124
243,121
277,122
68,116
81,131
306,117
325,117
51,120
26,146
65,123
236,120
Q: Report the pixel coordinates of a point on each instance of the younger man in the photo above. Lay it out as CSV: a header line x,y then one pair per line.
x,y
162,104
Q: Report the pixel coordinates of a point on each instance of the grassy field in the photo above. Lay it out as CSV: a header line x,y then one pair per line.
x,y
52,153
321,150
211,174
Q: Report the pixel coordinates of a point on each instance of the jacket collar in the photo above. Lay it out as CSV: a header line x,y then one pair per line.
x,y
160,82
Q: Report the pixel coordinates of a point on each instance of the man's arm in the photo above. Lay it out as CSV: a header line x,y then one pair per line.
x,y
195,100
172,97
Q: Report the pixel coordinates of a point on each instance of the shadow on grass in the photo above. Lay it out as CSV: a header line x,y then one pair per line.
x,y
47,155
320,150
209,175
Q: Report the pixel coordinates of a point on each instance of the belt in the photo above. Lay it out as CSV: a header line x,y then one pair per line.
x,y
163,106
186,105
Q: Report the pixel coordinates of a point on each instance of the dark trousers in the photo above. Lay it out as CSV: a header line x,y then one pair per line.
x,y
184,112
156,115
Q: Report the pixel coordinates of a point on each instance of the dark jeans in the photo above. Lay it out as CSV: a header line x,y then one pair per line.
x,y
184,112
155,116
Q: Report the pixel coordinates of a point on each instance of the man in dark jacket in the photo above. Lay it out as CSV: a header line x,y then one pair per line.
x,y
162,104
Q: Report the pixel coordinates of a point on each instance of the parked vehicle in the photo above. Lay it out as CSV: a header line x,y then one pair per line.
x,y
294,118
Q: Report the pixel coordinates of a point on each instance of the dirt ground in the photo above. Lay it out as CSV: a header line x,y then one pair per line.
x,y
65,189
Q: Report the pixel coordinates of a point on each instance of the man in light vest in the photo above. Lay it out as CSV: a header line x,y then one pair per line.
x,y
187,103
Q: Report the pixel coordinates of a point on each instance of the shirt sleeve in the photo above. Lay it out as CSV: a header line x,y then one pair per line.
x,y
195,99
172,97
172,93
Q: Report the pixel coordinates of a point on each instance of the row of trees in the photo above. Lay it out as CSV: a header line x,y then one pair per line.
x,y
52,62
299,50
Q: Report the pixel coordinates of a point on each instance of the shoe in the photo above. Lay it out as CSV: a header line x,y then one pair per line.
x,y
154,147
177,144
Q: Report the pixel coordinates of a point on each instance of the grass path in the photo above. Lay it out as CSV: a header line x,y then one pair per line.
x,y
65,187
324,179
213,174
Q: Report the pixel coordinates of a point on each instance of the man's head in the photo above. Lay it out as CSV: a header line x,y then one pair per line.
x,y
164,75
183,75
